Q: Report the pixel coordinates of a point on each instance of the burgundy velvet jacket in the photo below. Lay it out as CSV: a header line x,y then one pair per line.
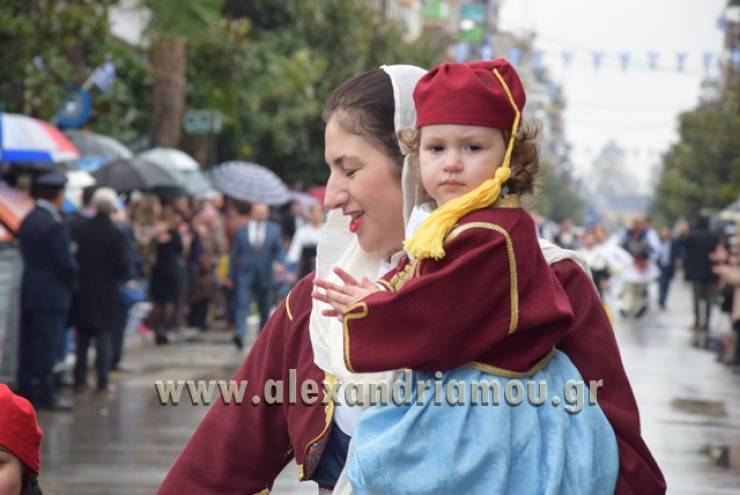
x,y
241,449
492,302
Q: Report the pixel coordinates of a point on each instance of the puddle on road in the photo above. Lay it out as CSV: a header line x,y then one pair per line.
x,y
714,408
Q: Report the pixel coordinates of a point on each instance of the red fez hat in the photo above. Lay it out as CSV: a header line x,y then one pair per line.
x,y
469,94
19,431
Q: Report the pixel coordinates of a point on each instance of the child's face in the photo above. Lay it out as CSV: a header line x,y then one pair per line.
x,y
455,159
11,473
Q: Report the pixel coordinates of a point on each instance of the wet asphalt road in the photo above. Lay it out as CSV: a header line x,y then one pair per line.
x,y
124,443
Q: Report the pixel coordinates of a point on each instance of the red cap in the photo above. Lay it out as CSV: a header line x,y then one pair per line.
x,y
19,431
469,94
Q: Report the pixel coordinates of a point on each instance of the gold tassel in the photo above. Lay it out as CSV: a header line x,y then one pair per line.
x,y
428,240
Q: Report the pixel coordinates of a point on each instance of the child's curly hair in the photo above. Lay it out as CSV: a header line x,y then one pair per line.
x,y
525,160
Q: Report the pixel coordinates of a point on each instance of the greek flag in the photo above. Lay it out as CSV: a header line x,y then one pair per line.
x,y
103,76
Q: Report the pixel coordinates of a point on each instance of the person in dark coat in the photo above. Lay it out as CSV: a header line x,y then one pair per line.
x,y
698,245
103,261
168,275
49,275
257,248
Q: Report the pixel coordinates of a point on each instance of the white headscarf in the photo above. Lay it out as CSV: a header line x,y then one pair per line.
x,y
339,247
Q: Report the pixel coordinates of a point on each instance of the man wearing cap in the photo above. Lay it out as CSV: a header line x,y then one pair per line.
x,y
49,273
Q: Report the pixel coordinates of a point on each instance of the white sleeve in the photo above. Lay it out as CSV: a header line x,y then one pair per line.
x,y
296,246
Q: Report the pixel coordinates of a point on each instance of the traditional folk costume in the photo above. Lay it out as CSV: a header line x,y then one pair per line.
x,y
494,311
479,299
241,449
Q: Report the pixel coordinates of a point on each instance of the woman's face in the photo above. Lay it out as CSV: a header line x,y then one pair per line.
x,y
11,473
364,182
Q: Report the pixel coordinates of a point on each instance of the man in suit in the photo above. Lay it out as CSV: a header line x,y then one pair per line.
x,y
49,273
666,256
103,260
257,251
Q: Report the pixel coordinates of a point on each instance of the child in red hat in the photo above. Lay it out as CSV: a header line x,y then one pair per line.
x,y
474,302
20,445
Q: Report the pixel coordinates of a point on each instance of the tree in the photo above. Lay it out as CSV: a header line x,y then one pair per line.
x,y
48,45
276,75
702,170
172,24
557,194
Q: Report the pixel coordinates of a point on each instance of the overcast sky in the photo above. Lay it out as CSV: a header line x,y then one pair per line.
x,y
638,108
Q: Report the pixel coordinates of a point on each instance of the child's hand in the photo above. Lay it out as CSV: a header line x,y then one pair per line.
x,y
339,297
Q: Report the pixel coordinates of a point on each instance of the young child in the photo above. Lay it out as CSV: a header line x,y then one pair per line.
x,y
475,296
20,443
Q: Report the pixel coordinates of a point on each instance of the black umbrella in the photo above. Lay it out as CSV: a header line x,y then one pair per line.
x,y
93,144
132,174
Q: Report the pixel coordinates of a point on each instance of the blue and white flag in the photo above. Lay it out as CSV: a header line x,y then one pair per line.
x,y
681,60
567,58
103,76
653,60
625,60
596,57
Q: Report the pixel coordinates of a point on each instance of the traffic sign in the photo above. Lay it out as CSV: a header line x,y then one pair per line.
x,y
207,121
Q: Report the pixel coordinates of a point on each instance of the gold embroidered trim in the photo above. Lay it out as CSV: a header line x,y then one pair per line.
x,y
387,285
330,381
287,305
512,264
495,370
508,201
266,491
410,271
349,314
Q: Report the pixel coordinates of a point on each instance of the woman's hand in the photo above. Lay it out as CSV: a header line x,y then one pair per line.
x,y
339,297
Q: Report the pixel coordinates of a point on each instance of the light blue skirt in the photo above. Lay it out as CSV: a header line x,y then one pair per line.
x,y
515,447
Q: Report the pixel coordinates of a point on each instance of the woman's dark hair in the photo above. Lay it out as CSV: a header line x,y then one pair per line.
x,y
242,207
364,106
29,483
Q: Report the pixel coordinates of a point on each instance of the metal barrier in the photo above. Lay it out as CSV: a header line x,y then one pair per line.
x,y
11,268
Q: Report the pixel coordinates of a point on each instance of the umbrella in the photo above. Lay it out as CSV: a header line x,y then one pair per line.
x,y
77,180
25,139
195,183
14,205
185,169
250,182
731,213
92,144
134,174
170,158
91,163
